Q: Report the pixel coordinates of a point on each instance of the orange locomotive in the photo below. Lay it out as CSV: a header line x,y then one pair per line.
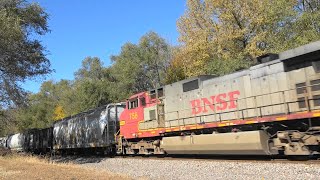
x,y
269,109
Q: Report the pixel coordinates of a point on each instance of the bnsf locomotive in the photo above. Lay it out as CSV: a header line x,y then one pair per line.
x,y
272,108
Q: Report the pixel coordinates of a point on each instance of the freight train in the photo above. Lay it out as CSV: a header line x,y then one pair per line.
x,y
86,132
272,108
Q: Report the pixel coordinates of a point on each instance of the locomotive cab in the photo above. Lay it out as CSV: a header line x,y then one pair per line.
x,y
144,112
132,115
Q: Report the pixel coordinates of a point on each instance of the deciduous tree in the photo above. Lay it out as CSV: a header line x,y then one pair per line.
x,y
219,37
141,66
22,56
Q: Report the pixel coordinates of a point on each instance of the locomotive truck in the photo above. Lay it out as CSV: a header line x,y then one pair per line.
x,y
272,108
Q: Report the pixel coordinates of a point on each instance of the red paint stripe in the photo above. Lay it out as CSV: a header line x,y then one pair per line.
x,y
235,122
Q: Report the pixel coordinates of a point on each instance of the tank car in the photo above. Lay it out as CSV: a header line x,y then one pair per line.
x,y
15,142
3,141
272,108
87,132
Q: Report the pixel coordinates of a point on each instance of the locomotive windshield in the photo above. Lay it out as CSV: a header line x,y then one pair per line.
x,y
133,103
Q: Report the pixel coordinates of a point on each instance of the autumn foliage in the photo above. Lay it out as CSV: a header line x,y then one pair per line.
x,y
59,113
217,37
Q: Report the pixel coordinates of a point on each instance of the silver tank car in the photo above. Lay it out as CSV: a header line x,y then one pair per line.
x,y
3,142
15,142
92,129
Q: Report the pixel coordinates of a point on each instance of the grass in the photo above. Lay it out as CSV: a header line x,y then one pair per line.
x,y
27,167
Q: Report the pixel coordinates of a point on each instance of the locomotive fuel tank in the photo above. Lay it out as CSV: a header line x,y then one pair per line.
x,y
240,143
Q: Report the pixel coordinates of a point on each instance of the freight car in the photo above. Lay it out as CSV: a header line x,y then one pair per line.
x,y
15,142
92,131
3,141
272,108
38,141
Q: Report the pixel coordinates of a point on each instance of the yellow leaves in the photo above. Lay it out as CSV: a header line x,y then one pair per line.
x,y
226,32
176,70
230,29
58,113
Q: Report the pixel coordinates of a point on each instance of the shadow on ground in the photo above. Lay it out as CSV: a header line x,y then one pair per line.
x,y
4,152
77,159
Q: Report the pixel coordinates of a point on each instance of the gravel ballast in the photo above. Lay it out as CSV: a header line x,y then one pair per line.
x,y
202,169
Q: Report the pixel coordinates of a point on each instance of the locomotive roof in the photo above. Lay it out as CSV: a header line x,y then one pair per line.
x,y
136,95
308,51
313,47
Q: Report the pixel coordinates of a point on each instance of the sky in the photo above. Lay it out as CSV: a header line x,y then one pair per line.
x,y
99,28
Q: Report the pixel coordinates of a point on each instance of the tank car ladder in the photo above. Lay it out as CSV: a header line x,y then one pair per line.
x,y
119,140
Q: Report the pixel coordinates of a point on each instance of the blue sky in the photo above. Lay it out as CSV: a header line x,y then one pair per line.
x,y
99,28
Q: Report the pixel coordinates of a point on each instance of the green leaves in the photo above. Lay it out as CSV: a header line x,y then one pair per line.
x,y
142,66
217,37
221,36
21,56
138,67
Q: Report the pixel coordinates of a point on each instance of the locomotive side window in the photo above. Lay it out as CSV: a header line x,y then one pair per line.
x,y
153,94
300,88
143,101
152,114
302,102
316,100
160,92
133,103
315,89
192,85
315,85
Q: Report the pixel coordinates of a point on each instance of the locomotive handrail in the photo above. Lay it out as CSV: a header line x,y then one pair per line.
x,y
260,114
283,91
252,97
219,113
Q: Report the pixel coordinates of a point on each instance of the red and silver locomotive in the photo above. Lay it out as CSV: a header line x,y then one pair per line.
x,y
269,109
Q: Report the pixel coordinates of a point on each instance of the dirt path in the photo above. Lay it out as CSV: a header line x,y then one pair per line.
x,y
17,167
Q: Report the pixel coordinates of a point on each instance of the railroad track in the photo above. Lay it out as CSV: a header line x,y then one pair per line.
x,y
258,159
81,159
177,167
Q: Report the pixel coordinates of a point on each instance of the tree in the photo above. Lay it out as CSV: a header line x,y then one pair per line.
x,y
22,56
57,100
141,66
306,28
220,37
7,121
155,56
92,85
92,68
178,66
59,113
51,103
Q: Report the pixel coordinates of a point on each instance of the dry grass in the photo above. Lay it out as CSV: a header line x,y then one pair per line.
x,y
27,167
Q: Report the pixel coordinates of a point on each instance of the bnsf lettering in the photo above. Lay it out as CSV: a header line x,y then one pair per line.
x,y
218,102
